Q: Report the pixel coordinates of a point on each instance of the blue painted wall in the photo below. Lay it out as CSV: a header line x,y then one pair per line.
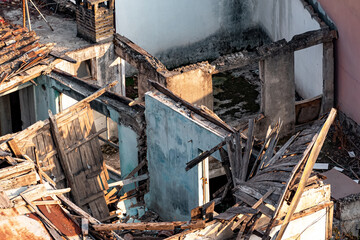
x,y
173,139
45,98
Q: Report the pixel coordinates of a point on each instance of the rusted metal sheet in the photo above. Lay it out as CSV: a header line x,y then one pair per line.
x,y
27,226
58,217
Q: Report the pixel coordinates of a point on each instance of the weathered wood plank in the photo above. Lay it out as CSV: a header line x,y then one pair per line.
x,y
63,157
307,170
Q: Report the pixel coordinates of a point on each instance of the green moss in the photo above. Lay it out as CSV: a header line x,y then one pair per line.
x,y
232,91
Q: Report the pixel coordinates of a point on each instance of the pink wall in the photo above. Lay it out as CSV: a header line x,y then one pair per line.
x,y
346,15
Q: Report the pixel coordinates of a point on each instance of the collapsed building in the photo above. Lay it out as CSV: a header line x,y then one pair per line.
x,y
170,124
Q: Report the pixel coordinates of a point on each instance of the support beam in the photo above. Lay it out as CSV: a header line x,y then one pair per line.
x,y
328,77
278,92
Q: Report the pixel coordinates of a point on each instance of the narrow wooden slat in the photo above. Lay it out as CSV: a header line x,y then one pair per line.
x,y
129,181
231,154
307,171
203,156
139,226
257,203
248,150
88,99
238,155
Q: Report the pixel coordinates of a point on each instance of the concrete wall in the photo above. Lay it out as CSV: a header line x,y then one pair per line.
x,y
173,139
346,16
284,19
277,93
180,32
194,86
106,61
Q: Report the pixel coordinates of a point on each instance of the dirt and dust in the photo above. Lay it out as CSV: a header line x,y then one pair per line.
x,y
111,156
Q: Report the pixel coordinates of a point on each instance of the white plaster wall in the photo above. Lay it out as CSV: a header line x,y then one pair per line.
x,y
157,25
309,227
284,19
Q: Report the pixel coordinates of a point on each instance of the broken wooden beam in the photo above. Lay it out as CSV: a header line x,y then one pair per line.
x,y
90,98
248,150
307,170
150,226
130,180
203,155
8,172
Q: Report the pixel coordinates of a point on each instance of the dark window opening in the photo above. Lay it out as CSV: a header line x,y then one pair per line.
x,y
15,111
87,70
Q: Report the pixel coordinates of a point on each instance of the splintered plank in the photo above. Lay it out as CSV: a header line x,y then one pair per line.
x,y
248,149
19,181
235,211
252,192
307,170
203,156
272,176
5,201
9,172
232,158
150,226
14,148
251,201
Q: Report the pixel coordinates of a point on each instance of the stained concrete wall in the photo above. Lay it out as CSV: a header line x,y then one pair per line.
x,y
194,86
105,59
278,93
173,139
187,31
284,19
345,15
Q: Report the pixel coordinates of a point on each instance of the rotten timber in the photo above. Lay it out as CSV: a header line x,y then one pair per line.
x,y
277,172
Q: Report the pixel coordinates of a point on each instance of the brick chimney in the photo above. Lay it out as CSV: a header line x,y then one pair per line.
x,y
95,19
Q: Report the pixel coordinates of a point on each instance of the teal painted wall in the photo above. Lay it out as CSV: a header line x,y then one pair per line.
x,y
173,139
45,98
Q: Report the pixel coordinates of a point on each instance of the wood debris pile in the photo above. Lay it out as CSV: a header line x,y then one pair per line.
x,y
269,181
20,50
262,186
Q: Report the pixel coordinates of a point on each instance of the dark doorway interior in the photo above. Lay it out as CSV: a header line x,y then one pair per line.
x,y
15,110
